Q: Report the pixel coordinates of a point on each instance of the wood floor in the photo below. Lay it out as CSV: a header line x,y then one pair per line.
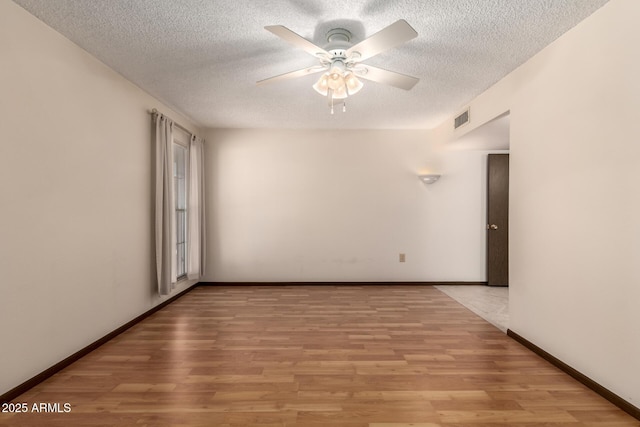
x,y
308,356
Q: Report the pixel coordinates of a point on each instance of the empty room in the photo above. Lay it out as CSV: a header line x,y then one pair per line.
x,y
319,213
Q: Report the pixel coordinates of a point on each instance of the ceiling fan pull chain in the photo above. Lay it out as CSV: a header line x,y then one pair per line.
x,y
330,96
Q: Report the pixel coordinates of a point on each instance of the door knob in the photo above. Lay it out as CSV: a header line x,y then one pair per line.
x,y
492,227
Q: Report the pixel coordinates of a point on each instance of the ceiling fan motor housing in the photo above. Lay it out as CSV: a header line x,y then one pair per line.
x,y
339,40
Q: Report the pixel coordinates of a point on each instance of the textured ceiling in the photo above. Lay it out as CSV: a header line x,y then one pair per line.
x,y
203,57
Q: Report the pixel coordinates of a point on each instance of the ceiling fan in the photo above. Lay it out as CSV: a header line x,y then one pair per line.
x,y
341,62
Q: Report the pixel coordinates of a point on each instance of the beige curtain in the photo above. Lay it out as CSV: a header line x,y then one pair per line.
x,y
164,210
196,231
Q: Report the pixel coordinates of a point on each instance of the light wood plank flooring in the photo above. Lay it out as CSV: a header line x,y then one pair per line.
x,y
356,356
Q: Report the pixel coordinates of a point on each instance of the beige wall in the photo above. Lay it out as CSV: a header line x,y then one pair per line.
x,y
75,190
327,205
575,198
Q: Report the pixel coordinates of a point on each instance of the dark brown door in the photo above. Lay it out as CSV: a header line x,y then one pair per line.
x,y
498,220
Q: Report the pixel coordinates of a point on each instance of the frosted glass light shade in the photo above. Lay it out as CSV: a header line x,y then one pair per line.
x,y
340,93
335,81
322,85
353,84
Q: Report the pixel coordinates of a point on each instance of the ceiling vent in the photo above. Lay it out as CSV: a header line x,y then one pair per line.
x,y
461,119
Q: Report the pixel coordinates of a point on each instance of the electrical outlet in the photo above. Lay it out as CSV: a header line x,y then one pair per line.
x,y
402,258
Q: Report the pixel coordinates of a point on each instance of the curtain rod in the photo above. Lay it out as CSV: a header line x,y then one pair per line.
x,y
155,112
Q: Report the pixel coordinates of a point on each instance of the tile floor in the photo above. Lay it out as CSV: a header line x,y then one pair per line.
x,y
490,303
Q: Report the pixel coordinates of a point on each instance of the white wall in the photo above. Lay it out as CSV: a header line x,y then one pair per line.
x,y
75,185
327,205
575,198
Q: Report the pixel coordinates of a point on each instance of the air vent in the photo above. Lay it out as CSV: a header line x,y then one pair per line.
x,y
462,119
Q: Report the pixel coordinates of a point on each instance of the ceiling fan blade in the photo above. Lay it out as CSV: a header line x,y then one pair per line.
x,y
297,40
391,36
293,74
390,78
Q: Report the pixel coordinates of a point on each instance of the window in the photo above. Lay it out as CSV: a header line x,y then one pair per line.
x,y
180,169
179,204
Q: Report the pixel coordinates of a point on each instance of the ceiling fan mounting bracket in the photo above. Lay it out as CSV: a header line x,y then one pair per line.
x,y
338,39
338,35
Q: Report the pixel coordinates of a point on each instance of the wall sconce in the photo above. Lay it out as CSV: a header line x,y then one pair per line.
x,y
429,178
